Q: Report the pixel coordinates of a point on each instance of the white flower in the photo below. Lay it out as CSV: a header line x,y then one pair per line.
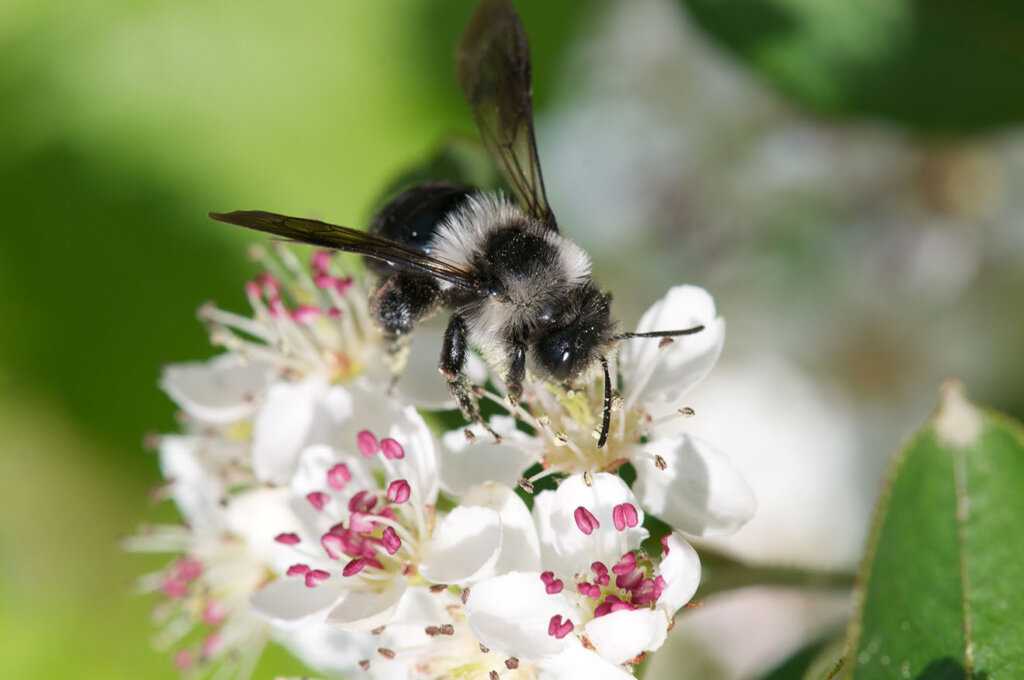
x,y
368,531
317,322
681,479
596,603
207,587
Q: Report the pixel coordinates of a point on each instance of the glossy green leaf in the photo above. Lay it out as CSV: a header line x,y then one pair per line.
x,y
942,584
938,65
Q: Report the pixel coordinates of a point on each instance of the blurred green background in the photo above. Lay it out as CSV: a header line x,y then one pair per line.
x,y
123,123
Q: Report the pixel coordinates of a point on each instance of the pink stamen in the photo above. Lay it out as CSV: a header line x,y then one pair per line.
x,y
360,523
585,520
552,585
318,499
557,628
602,573
316,577
368,445
362,502
664,544
391,540
184,659
354,567
343,285
399,491
333,545
338,476
253,290
269,283
174,588
625,515
298,570
325,281
629,581
334,312
189,569
214,612
392,449
211,644
589,589
645,592
287,538
321,261
305,314
625,565
277,308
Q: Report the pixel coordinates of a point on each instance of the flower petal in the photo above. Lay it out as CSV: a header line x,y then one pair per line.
x,y
576,549
577,662
219,391
328,649
196,490
366,608
285,602
655,373
626,634
465,544
257,516
520,548
699,492
510,614
282,427
466,464
681,570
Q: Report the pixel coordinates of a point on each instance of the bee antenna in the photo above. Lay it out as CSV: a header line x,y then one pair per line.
x,y
659,334
606,418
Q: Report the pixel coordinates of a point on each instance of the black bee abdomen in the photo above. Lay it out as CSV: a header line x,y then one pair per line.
x,y
413,216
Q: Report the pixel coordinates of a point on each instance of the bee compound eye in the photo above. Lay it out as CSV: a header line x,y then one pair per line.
x,y
563,365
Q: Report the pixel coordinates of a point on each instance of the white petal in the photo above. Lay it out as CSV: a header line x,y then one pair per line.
x,y
257,516
196,490
576,662
282,427
328,649
465,464
219,391
387,417
366,609
520,548
286,602
465,544
510,614
577,550
624,635
681,570
699,492
651,372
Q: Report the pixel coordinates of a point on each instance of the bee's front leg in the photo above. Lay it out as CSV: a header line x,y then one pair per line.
x,y
453,363
400,302
516,373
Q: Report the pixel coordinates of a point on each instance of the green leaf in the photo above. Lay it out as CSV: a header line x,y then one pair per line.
x,y
942,584
945,66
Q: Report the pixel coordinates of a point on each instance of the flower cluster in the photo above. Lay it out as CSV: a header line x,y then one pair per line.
x,y
320,510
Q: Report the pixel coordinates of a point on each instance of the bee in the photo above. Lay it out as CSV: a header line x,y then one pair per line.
x,y
519,291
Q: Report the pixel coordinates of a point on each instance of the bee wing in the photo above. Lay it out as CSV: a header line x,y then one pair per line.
x,y
493,68
317,233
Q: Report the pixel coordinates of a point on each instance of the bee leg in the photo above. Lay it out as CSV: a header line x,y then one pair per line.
x,y
453,362
516,374
400,302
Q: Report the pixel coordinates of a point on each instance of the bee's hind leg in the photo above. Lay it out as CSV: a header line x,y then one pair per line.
x,y
400,302
453,363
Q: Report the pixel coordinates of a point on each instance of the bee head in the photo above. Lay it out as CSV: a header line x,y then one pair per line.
x,y
578,336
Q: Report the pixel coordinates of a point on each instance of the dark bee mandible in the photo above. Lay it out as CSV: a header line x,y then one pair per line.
x,y
519,291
